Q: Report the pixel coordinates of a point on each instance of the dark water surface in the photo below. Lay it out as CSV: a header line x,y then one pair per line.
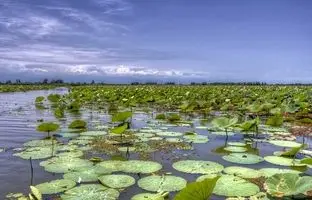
x,y
18,119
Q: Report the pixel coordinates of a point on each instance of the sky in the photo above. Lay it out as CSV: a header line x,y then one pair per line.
x,y
120,41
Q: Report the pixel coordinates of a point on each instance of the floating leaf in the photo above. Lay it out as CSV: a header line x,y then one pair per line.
x,y
229,185
91,192
243,158
243,172
283,143
162,183
198,190
235,149
280,185
55,186
117,180
197,167
277,160
148,196
267,172
121,116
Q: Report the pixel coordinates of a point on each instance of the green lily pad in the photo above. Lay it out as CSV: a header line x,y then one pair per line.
x,y
147,196
243,158
36,153
94,133
90,192
72,154
243,172
67,165
145,135
85,174
229,185
197,167
111,165
235,149
55,186
174,140
140,166
40,143
282,161
197,139
238,144
169,134
165,183
283,143
268,172
206,176
281,185
69,135
117,180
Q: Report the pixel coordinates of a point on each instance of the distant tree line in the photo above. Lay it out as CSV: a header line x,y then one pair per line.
x,y
62,82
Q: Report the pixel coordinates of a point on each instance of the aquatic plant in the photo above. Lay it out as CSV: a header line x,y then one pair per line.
x,y
78,124
197,190
167,183
288,184
48,127
224,123
39,99
53,98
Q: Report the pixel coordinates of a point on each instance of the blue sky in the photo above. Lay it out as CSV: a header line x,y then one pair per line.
x,y
161,40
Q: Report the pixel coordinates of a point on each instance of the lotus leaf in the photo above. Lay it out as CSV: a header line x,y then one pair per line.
x,y
243,158
69,135
238,144
93,133
165,183
55,186
243,172
85,174
277,160
111,165
287,184
35,153
169,134
40,143
173,139
235,149
283,143
206,176
73,154
35,192
121,116
197,139
66,165
267,172
229,185
117,180
197,167
147,196
90,192
140,166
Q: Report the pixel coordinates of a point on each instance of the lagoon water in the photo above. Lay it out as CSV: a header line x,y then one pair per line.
x,y
18,120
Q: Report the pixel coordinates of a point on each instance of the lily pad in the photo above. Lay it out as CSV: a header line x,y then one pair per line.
x,y
147,196
280,185
243,158
236,149
169,134
238,144
55,186
268,172
36,153
91,192
85,174
277,160
94,133
40,143
165,183
117,180
140,166
197,167
229,185
283,143
67,165
111,165
197,139
243,172
206,176
72,154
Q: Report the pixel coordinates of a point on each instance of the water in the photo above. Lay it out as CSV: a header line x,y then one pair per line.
x,y
18,119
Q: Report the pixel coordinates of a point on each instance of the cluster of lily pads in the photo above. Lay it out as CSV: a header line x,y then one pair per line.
x,y
260,114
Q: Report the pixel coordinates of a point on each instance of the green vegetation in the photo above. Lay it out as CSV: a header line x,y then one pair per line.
x,y
48,127
78,124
